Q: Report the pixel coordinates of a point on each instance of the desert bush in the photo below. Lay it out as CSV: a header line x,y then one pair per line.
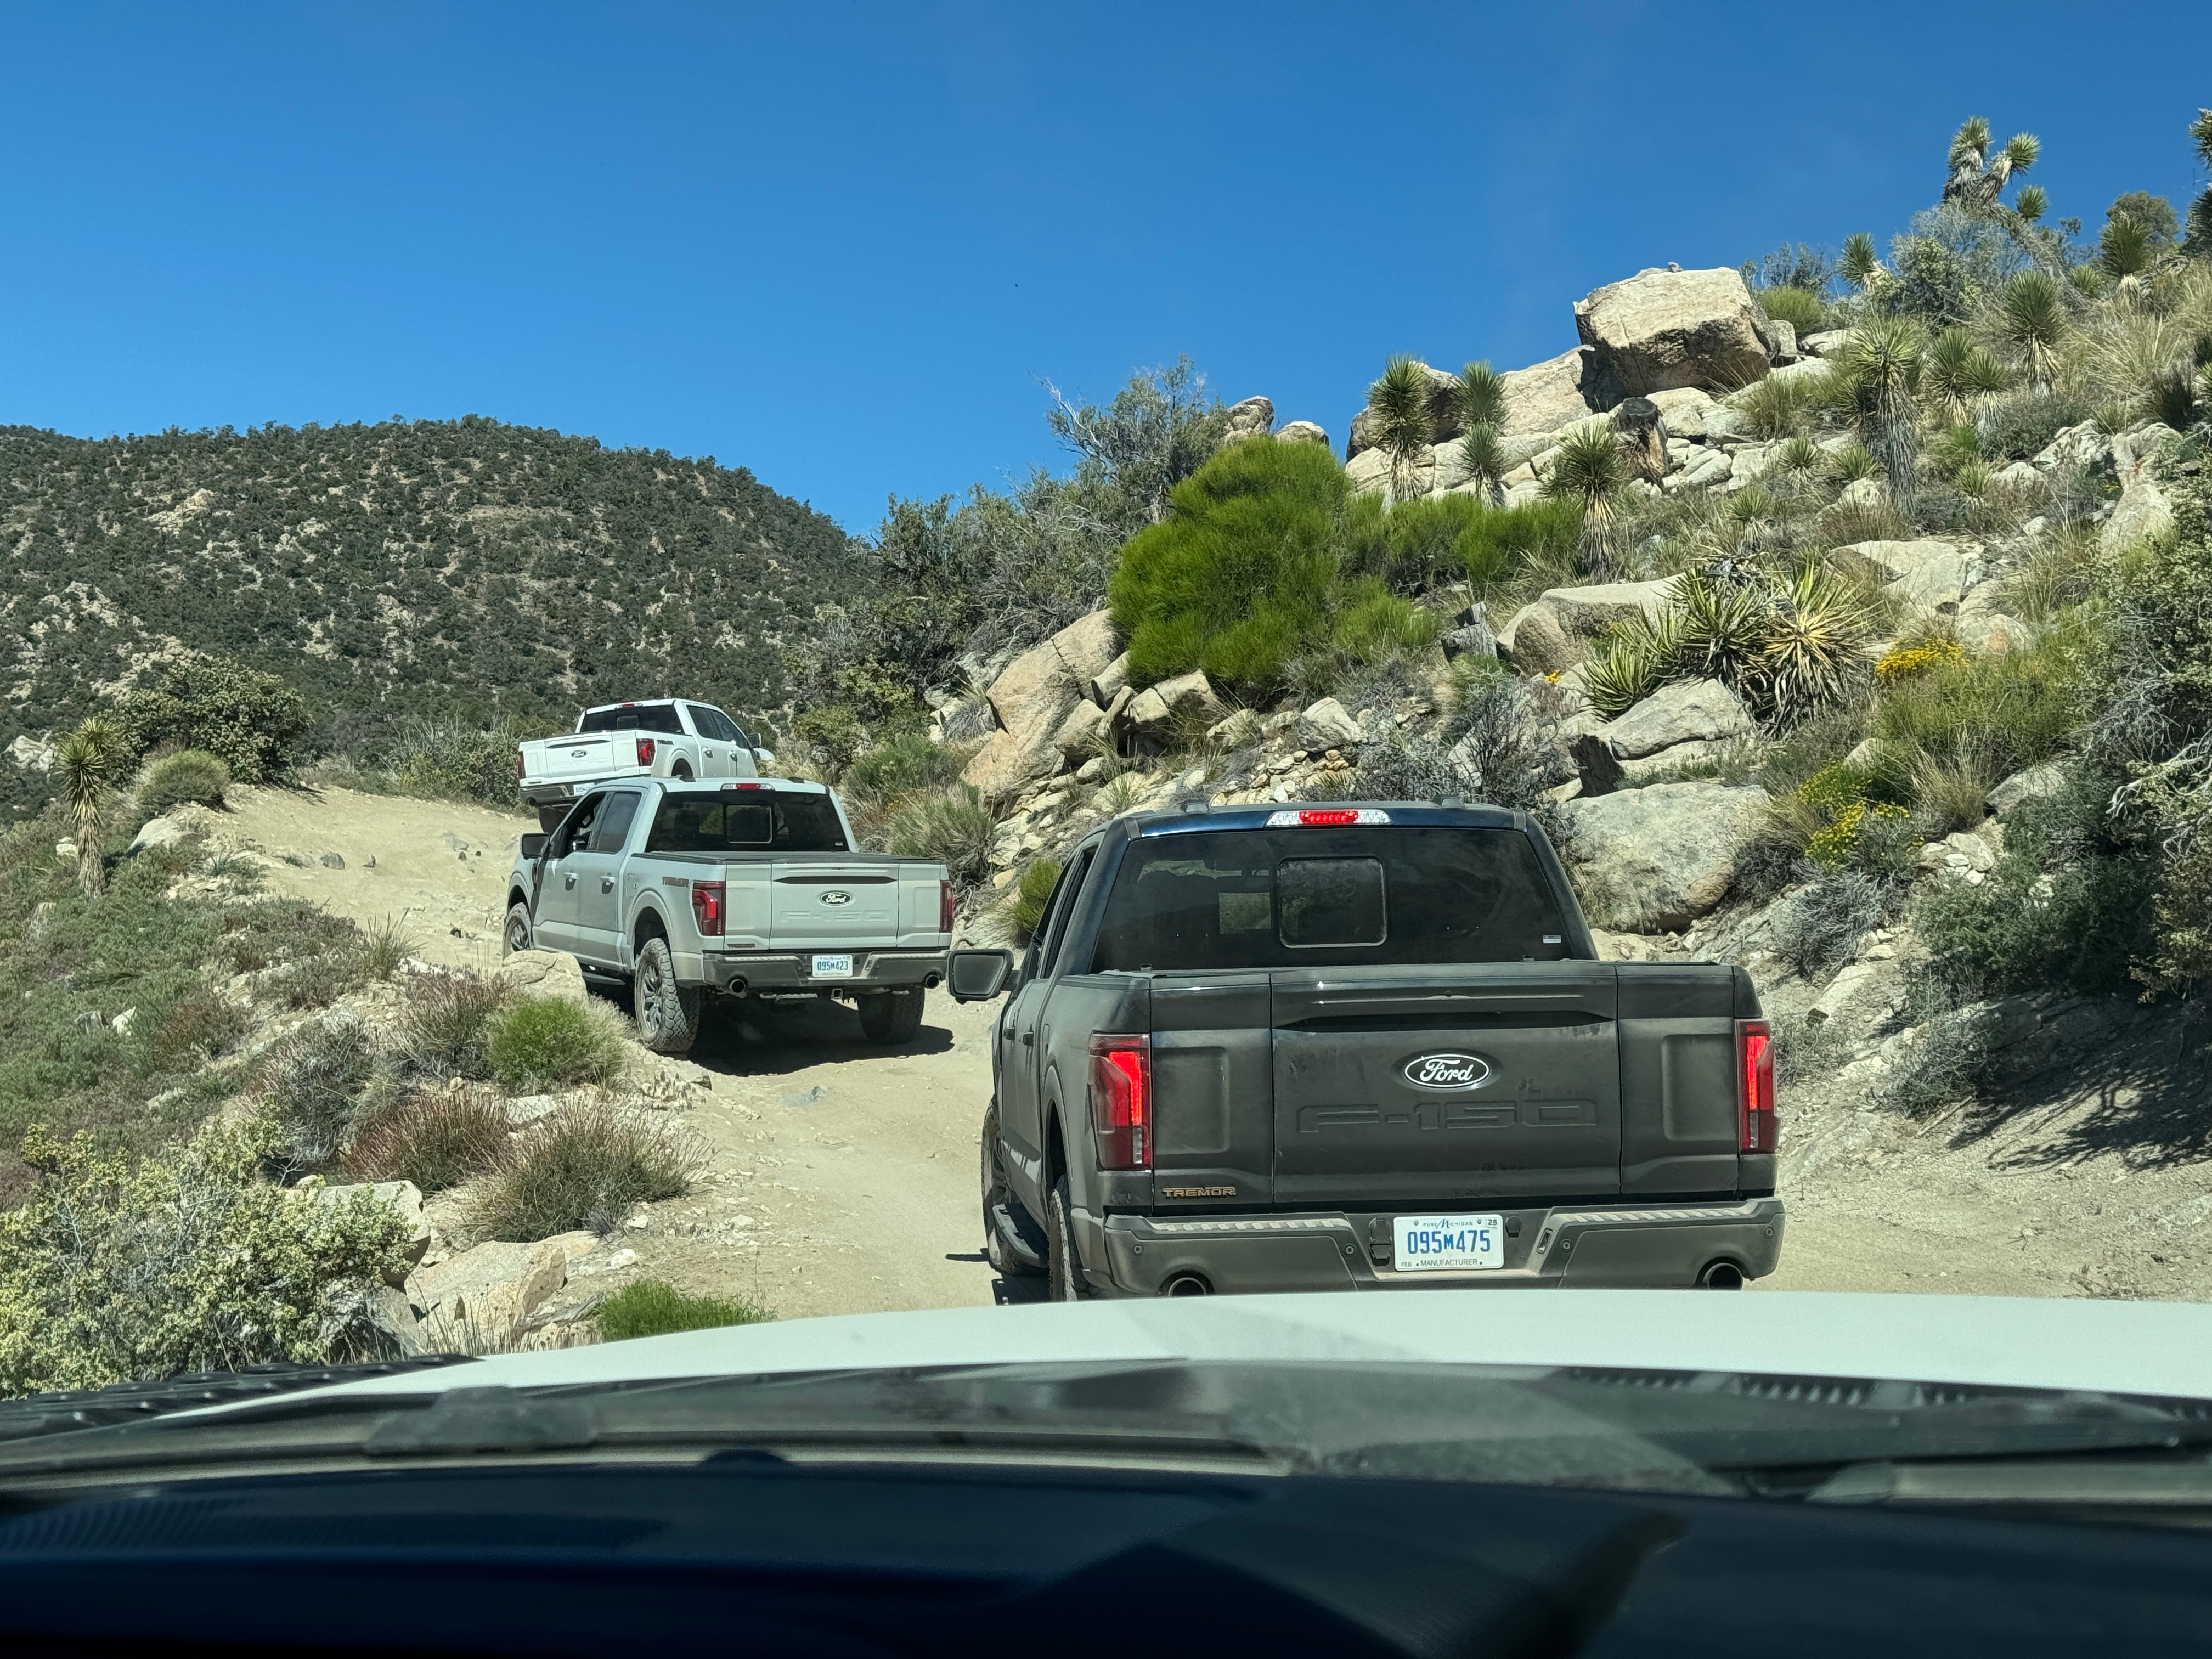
x,y
2004,712
252,722
1939,1063
584,1166
2020,428
1777,406
651,1308
1489,722
1499,543
1032,891
435,1139
952,825
187,1261
1408,766
899,766
318,980
198,1026
1805,1050
535,1043
189,774
832,734
1800,308
309,1082
452,759
1815,930
444,1029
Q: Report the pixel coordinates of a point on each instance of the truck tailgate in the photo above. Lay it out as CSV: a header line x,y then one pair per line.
x,y
825,903
581,755
1470,1083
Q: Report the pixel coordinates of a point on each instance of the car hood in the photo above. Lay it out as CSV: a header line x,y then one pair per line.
x,y
2124,1347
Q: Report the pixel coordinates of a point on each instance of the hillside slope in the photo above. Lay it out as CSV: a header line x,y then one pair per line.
x,y
396,572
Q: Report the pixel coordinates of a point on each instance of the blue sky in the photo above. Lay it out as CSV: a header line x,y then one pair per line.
x,y
839,243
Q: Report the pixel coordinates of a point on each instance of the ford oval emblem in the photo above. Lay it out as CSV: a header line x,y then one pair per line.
x,y
1447,1071
836,898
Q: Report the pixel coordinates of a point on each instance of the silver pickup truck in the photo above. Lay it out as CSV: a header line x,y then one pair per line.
x,y
751,888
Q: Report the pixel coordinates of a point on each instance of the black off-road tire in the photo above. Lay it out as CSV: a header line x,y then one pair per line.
x,y
518,933
892,1016
1004,1262
667,1013
1063,1267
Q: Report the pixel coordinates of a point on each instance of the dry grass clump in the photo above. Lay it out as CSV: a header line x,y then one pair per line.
x,y
436,1141
310,1080
537,1042
445,1031
585,1166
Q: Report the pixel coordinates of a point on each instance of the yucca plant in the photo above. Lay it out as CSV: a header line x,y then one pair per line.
x,y
1799,454
1960,372
1949,451
1404,421
1816,643
1861,268
2031,320
1478,396
1972,479
1632,660
88,762
1591,471
1882,363
1484,457
1854,461
1724,625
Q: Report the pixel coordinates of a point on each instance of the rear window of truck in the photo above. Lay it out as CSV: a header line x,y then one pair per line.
x,y
1296,898
763,821
660,717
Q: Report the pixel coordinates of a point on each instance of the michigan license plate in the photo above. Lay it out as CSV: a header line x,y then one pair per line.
x,y
833,967
1432,1243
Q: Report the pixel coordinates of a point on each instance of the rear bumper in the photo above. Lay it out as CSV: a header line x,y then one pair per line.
x,y
1618,1246
742,972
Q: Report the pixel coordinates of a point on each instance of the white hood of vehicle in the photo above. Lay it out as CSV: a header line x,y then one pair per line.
x,y
2135,1347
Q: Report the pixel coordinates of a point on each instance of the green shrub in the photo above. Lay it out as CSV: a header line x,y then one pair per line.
x,y
444,1029
833,732
536,1042
1800,308
1032,889
2020,428
450,759
1501,540
897,767
650,1308
1420,538
252,722
2001,713
1236,580
584,1166
1777,406
310,1082
436,1141
190,774
953,826
199,1026
1376,625
186,1263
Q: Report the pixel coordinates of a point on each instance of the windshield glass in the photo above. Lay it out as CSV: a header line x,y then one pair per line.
x,y
1286,898
763,821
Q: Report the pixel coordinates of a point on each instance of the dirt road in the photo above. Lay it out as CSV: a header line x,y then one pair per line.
x,y
842,1177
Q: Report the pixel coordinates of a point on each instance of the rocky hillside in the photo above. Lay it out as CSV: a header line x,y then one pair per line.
x,y
394,574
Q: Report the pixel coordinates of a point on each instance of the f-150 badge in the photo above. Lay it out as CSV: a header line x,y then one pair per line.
x,y
1447,1071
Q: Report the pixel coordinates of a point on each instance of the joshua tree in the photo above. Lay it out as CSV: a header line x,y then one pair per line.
x,y
1882,364
1977,179
88,762
1959,371
1401,401
1591,468
1860,268
1479,403
2031,320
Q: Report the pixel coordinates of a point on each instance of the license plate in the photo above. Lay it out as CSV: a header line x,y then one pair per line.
x,y
1429,1244
833,967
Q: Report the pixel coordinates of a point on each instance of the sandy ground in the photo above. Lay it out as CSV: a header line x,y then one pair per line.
x,y
842,1176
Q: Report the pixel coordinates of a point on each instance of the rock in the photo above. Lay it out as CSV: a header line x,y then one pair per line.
x,y
1082,734
2036,783
1442,425
1029,700
1546,396
1187,702
1368,472
2143,510
528,1109
1685,712
1596,764
543,974
1587,612
334,861
1534,642
1241,728
1644,769
30,755
1847,986
480,1298
1805,369
2018,475
391,1317
1108,680
1090,645
1691,413
1327,725
1781,341
1891,562
2078,448
1864,492
1302,432
1662,329
1661,857
1710,470
1972,849
1749,463
166,830
1252,418
402,1196
122,1022
1825,343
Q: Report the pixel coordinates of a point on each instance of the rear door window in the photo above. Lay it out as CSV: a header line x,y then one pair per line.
x,y
651,717
763,821
1303,898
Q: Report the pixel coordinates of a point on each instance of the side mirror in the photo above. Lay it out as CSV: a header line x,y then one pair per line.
x,y
978,976
763,759
533,847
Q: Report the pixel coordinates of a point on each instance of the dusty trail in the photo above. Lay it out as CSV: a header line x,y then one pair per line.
x,y
842,1176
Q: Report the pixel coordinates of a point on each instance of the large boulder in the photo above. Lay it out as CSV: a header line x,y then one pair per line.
x,y
1252,418
1662,329
1186,703
1651,860
2143,510
1084,732
481,1298
1534,642
1688,711
1302,432
1029,700
1327,725
1556,392
543,974
1693,413
2077,448
1588,611
1088,645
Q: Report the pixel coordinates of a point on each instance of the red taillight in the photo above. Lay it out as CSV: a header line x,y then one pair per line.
x,y
646,749
944,906
1328,816
517,763
707,908
1121,1101
1755,1072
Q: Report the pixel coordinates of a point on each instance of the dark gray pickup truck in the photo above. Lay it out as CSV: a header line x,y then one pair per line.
x,y
1354,1046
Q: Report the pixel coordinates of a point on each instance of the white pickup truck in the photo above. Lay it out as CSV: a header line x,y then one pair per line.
x,y
749,887
656,738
